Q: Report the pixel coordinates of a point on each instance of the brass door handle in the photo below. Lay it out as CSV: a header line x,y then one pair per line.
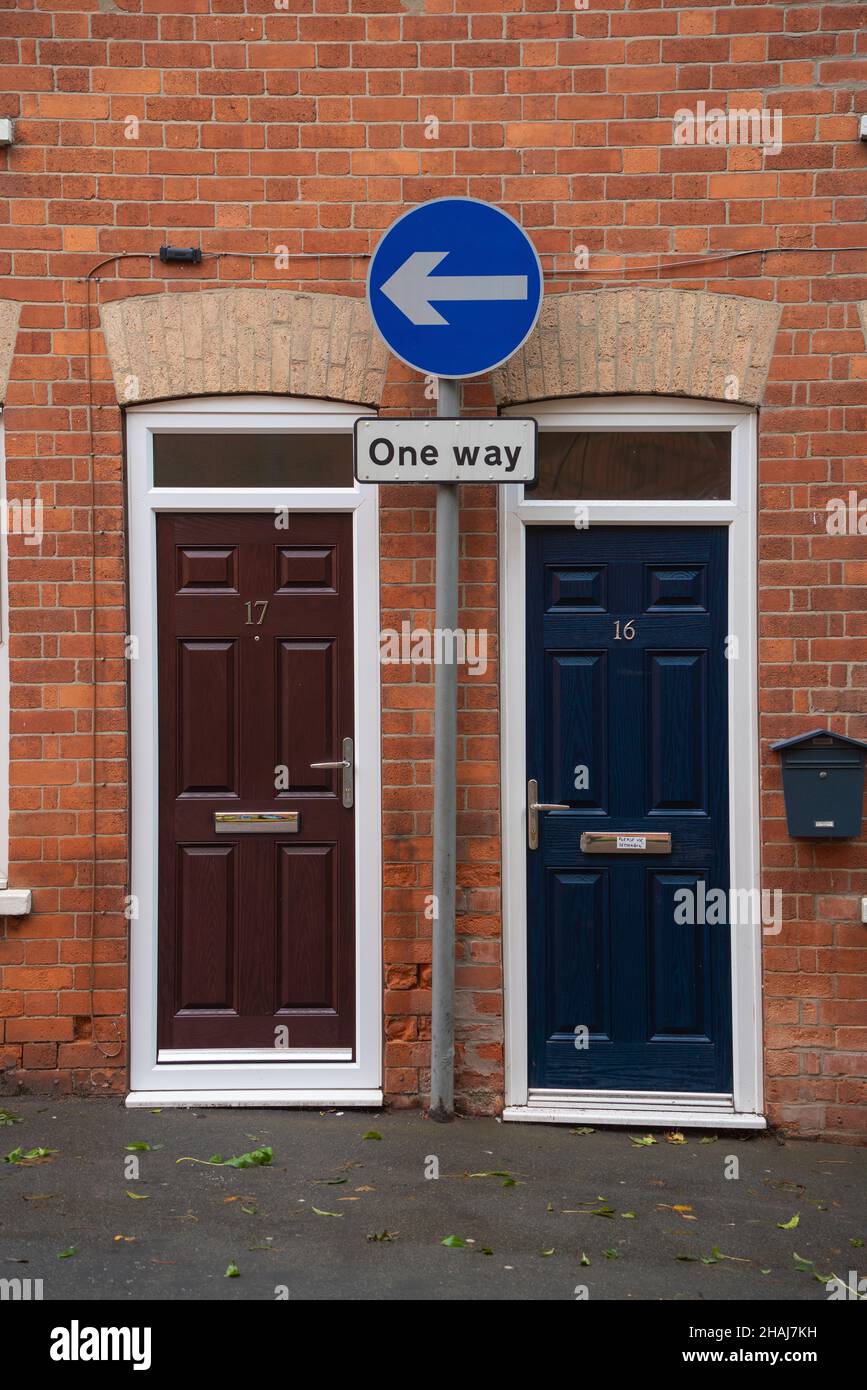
x,y
534,807
347,780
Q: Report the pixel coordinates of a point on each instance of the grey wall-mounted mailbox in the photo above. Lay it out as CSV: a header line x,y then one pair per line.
x,y
823,784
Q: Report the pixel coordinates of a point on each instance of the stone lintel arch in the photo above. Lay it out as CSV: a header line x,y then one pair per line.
x,y
10,312
243,342
656,341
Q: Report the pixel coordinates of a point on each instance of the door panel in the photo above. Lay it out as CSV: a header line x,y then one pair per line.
x,y
255,633
627,727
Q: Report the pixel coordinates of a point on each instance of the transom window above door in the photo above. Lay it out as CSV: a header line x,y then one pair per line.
x,y
633,465
282,460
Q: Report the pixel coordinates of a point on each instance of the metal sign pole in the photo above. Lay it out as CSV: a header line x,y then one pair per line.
x,y
442,1073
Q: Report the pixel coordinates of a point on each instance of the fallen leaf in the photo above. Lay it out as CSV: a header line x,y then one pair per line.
x,y
258,1158
453,1242
642,1141
139,1196
381,1235
67,1254
372,1134
31,1157
338,1214
585,1259
585,1129
232,1271
611,1254
8,1118
546,1253
674,1136
791,1224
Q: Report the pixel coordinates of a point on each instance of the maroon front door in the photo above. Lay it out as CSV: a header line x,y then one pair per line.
x,y
256,923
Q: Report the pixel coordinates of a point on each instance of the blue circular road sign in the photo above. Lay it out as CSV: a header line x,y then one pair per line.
x,y
455,287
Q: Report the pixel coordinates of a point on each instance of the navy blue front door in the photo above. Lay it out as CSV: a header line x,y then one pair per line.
x,y
627,728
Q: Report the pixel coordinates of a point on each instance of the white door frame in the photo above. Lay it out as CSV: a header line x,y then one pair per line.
x,y
254,1076
743,1108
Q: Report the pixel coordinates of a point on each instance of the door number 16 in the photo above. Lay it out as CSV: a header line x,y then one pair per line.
x,y
628,630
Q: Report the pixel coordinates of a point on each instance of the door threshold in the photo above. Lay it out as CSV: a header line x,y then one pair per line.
x,y
660,1109
286,1099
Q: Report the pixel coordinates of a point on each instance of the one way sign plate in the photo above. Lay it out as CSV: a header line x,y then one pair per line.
x,y
443,450
455,287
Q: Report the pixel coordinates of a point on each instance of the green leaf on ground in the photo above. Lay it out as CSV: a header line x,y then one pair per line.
x,y
585,1129
257,1158
611,1254
232,1271
454,1242
642,1141
68,1253
139,1196
372,1134
382,1235
791,1224
7,1118
31,1156
585,1259
319,1212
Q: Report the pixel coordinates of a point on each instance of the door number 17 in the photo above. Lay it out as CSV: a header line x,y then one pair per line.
x,y
261,604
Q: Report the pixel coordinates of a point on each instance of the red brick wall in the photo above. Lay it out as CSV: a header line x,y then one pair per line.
x,y
306,128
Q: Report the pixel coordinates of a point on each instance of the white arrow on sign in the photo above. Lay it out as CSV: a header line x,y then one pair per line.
x,y
411,287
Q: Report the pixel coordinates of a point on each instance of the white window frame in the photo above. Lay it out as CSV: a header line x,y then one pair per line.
x,y
250,1076
743,1107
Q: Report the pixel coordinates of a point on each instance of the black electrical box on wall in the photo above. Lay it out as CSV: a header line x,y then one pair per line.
x,y
823,784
